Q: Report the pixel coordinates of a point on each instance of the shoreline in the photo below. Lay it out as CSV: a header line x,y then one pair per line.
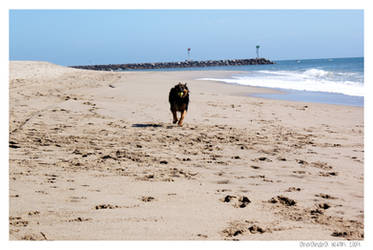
x,y
279,94
314,97
275,93
94,155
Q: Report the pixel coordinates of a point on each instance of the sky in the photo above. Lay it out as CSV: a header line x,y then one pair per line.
x,y
84,37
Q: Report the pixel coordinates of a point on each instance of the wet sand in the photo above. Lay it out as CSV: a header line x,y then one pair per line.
x,y
95,156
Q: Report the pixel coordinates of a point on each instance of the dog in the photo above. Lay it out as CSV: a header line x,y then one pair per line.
x,y
179,101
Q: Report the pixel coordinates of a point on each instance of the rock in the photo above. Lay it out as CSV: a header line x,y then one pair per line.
x,y
184,64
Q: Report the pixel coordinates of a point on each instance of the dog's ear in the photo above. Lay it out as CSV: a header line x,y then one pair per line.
x,y
187,87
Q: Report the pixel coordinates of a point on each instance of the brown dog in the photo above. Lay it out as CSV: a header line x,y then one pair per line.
x,y
179,101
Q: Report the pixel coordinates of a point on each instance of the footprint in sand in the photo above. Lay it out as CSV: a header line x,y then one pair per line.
x,y
240,228
325,196
17,222
13,144
255,167
323,206
147,198
33,213
202,236
348,234
241,201
319,210
256,229
327,174
283,200
106,206
223,182
223,190
299,172
321,165
77,198
263,158
79,219
29,237
301,162
293,189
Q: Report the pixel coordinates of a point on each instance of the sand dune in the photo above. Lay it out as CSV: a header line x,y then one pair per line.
x,y
95,156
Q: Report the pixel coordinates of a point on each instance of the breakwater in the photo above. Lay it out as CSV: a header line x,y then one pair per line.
x,y
183,64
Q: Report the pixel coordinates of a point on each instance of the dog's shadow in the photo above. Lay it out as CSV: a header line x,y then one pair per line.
x,y
151,125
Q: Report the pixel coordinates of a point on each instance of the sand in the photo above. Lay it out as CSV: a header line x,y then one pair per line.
x,y
95,156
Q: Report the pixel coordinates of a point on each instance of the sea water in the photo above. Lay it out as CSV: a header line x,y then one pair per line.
x,y
333,81
330,80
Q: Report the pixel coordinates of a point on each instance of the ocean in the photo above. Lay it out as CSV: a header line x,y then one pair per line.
x,y
333,81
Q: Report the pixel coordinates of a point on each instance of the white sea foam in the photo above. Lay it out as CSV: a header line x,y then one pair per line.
x,y
310,80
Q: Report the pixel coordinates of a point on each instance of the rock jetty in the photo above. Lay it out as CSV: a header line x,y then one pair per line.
x,y
183,64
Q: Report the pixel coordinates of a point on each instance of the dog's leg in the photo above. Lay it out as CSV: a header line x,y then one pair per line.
x,y
174,116
183,113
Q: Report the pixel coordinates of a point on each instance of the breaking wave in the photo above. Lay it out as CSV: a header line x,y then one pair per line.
x,y
313,79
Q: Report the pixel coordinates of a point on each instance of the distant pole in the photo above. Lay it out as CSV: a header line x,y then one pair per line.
x,y
189,54
257,51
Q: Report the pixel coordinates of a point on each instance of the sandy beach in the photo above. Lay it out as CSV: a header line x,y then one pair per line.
x,y
95,156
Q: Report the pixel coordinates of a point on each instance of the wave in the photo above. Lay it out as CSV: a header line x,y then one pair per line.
x,y
317,74
317,80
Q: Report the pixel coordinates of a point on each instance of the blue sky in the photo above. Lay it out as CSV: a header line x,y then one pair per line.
x,y
81,37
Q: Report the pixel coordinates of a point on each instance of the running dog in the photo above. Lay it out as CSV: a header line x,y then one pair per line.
x,y
179,101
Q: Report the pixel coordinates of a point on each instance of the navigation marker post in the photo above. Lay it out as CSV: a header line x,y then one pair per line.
x,y
257,51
